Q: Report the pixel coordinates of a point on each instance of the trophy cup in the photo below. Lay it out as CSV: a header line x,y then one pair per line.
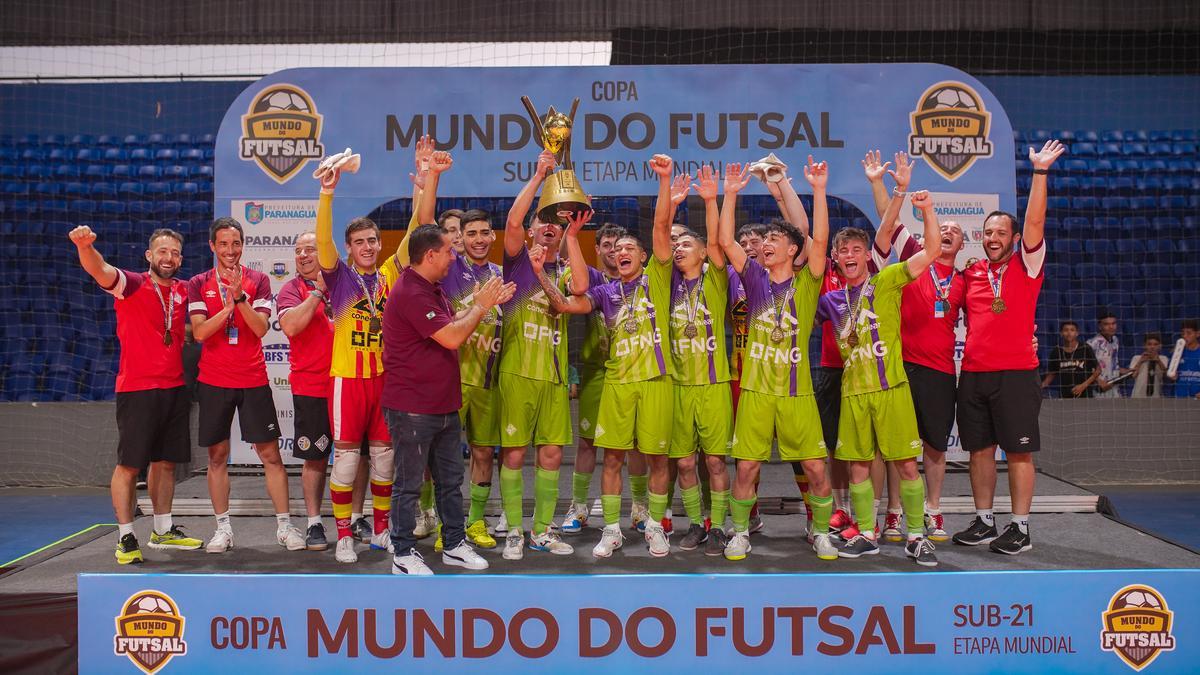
x,y
561,191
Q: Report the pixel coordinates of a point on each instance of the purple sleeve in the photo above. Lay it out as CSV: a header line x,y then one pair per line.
x,y
595,277
598,294
754,278
822,308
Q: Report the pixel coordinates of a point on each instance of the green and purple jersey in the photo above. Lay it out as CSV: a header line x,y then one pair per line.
x,y
534,335
876,362
779,318
700,358
636,314
478,356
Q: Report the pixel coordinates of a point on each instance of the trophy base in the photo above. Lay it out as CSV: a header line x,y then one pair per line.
x,y
561,193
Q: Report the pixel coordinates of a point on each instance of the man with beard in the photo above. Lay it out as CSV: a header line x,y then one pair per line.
x,y
230,310
998,393
152,401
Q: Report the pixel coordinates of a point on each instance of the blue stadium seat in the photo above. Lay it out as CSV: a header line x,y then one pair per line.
x,y
1114,203
66,172
82,140
1080,298
1084,150
96,172
1143,203
132,189
1112,136
1167,226
166,155
76,190
158,140
190,190
1173,203
1134,149
1140,135
1079,204
1038,136
103,191
1024,165
1121,185
1058,203
150,172
53,209
122,172
116,155
12,188
168,209
191,155
202,209
1066,247
1185,135
1149,184
203,171
1077,226
44,189
206,139
140,155
1078,166
87,155
175,172
1154,166
133,140
1160,135
1089,271
1087,135
111,208
1179,185
1130,247
1160,246
1065,184
1137,226
1112,150
1102,166
1127,166
36,172
1098,247
140,208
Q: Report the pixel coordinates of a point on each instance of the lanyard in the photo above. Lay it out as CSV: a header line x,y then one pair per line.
x,y
168,307
940,287
996,280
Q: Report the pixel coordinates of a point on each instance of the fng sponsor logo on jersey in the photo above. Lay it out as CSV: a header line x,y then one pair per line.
x,y
950,128
700,344
276,353
778,355
281,131
484,343
150,630
1137,626
626,346
537,333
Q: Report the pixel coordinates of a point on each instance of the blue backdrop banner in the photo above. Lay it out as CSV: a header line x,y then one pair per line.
x,y
1094,622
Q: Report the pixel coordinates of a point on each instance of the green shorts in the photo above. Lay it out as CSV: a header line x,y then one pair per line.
x,y
792,420
637,409
884,418
591,384
533,411
480,415
703,418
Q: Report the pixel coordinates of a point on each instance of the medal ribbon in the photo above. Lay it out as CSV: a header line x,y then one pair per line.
x,y
168,311
778,304
627,300
996,280
853,310
942,288
371,297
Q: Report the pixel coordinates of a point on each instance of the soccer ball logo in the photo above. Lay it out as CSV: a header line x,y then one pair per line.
x,y
951,97
282,101
152,604
1139,597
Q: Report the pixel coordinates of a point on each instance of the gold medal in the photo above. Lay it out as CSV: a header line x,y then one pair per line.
x,y
690,330
853,339
167,339
376,325
631,326
777,334
998,306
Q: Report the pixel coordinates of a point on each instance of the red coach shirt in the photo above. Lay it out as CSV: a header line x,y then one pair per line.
x,y
233,366
312,348
1003,341
142,306
928,339
419,375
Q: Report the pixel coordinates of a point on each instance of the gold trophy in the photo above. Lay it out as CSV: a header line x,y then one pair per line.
x,y
561,191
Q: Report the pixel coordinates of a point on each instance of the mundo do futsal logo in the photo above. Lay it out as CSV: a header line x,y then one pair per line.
x,y
281,131
150,630
950,128
1137,626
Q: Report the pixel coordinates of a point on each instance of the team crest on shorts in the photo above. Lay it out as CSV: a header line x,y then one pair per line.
x,y
1137,626
281,132
150,630
950,128
303,443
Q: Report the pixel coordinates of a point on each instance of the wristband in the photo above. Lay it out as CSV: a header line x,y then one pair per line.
x,y
317,293
1041,172
897,192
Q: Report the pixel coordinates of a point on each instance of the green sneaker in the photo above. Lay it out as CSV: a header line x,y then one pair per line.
x,y
174,539
128,550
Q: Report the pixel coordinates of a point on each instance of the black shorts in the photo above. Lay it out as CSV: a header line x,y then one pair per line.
x,y
933,394
1000,408
255,409
153,426
828,388
313,437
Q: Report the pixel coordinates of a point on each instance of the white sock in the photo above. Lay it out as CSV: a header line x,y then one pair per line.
x,y
124,529
283,520
987,516
895,512
314,520
841,499
1022,522
932,511
876,502
223,522
162,523
354,516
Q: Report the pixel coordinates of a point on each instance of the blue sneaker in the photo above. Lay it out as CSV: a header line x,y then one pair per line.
x,y
576,519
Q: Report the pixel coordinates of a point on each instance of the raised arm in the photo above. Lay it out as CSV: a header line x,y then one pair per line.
x,y
491,293
574,304
874,172
1035,213
817,175
327,254
439,163
887,226
90,259
662,166
736,178
706,187
514,227
932,242
578,265
422,157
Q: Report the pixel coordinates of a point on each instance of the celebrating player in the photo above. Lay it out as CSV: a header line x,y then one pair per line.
x,y
230,310
152,401
305,317
998,393
777,397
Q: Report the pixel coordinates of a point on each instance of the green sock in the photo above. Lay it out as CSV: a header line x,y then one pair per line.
x,y
612,509
512,490
658,507
822,508
691,504
580,483
545,498
426,495
912,496
720,504
637,487
479,497
862,497
741,512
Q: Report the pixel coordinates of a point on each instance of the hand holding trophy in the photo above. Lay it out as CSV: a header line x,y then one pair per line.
x,y
561,193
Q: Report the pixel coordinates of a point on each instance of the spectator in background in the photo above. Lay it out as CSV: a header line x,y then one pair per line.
x,y
1149,367
1074,363
1187,376
1105,345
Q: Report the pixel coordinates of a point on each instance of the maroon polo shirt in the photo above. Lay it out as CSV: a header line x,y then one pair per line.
x,y
419,375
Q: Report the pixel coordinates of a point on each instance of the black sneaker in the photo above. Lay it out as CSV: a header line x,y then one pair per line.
x,y
978,533
128,550
921,551
362,530
858,546
1013,541
315,541
715,545
695,536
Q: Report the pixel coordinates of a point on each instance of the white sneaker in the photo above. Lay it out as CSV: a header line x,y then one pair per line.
x,y
344,553
824,547
426,524
576,519
738,547
290,538
501,528
412,565
638,515
514,545
611,539
382,542
550,542
656,539
222,540
464,556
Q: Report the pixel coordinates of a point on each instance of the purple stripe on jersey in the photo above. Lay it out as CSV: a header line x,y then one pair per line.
x,y
792,374
712,364
879,364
